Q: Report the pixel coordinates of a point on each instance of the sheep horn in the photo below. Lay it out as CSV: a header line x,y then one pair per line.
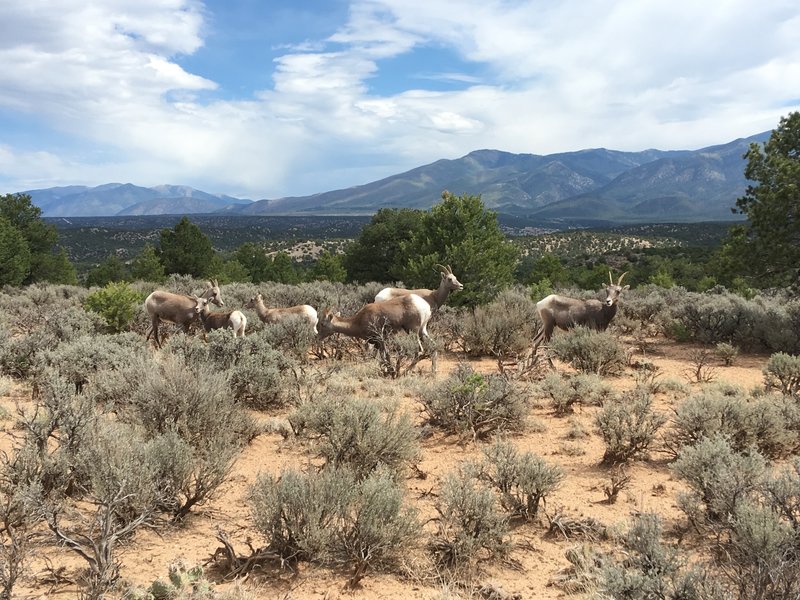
x,y
610,278
619,281
442,269
449,270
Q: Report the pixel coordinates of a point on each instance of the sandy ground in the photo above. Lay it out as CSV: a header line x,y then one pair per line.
x,y
534,561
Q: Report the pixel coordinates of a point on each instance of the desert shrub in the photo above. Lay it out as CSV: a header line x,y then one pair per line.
x,y
117,489
719,479
18,517
332,518
628,426
469,402
768,423
33,329
80,360
447,327
783,373
358,434
645,306
650,569
293,335
195,404
760,554
469,522
297,513
782,492
583,388
726,352
117,303
590,351
523,479
715,317
377,528
259,375
502,328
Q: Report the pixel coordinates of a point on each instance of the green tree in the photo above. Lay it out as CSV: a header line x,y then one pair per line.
x,y
255,261
462,233
375,255
48,263
329,267
147,266
15,256
281,269
768,245
186,250
111,269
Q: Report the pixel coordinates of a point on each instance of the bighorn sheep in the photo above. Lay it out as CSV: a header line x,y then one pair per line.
x,y
177,308
405,313
566,312
274,315
435,298
234,319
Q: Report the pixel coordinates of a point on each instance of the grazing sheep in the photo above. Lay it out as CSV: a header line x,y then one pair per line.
x,y
177,308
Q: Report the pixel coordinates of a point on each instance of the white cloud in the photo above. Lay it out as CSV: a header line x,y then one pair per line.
x,y
552,77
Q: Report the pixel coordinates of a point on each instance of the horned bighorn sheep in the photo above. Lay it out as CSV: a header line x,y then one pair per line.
x,y
406,313
435,298
177,308
566,312
274,315
234,319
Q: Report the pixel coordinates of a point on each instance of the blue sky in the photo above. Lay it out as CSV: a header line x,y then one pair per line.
x,y
275,98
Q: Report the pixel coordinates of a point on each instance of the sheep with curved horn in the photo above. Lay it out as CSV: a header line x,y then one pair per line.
x,y
566,313
435,298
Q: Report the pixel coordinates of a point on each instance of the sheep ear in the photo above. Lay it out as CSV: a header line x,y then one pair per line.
x,y
627,287
209,284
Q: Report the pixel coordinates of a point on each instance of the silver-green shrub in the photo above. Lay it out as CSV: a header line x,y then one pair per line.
x,y
358,434
590,351
783,373
469,522
502,328
770,423
523,480
651,569
83,359
628,425
564,392
473,403
196,405
719,479
332,518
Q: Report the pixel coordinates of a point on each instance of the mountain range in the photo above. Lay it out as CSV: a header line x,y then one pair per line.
x,y
593,184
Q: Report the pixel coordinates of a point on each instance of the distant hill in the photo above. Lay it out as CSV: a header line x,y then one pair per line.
x,y
595,185
123,199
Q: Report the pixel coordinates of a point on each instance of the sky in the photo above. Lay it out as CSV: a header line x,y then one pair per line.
x,y
275,98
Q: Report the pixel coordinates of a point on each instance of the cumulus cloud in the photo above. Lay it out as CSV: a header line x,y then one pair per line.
x,y
538,77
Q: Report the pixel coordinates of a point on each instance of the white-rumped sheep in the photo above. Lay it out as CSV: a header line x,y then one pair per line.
x,y
275,315
435,298
177,308
566,313
409,313
234,319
